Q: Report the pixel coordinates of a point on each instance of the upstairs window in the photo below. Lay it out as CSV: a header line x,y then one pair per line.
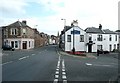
x,y
24,31
13,31
81,38
115,37
68,38
100,38
110,38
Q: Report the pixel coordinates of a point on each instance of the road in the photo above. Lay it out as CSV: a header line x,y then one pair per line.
x,y
46,64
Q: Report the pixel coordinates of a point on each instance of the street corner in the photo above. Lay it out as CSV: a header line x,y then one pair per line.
x,y
73,55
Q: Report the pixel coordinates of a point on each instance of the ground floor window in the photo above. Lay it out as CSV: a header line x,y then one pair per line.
x,y
12,44
118,47
29,43
110,47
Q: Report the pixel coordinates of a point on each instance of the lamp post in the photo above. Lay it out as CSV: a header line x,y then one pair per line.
x,y
64,31
73,50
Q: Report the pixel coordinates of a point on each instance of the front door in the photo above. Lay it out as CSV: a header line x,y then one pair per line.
x,y
12,44
89,48
24,45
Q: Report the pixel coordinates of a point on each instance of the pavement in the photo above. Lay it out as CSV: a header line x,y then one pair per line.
x,y
88,55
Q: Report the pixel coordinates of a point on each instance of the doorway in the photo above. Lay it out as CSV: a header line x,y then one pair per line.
x,y
12,44
24,44
90,48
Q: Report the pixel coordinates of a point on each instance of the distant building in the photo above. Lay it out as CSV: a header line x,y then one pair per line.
x,y
53,39
88,40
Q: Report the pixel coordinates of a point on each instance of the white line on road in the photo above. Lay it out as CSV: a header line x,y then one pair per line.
x,y
88,64
33,54
63,69
7,62
22,58
56,76
57,69
57,72
64,81
101,65
63,73
55,80
64,77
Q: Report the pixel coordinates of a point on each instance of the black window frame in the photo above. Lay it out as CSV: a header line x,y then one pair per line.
x,y
68,38
81,38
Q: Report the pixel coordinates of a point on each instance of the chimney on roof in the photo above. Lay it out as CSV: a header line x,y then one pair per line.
x,y
24,21
74,23
100,26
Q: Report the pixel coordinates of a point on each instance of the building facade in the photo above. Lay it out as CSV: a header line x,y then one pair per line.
x,y
88,40
18,35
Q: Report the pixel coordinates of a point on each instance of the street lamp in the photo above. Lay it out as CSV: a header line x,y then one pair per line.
x,y
64,31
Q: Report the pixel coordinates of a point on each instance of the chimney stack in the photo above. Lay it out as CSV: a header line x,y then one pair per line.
x,y
24,21
100,26
74,23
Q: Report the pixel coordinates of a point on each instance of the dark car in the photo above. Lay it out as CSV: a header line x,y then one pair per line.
x,y
7,47
103,52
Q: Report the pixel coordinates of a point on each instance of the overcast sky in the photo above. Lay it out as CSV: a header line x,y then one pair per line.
x,y
47,14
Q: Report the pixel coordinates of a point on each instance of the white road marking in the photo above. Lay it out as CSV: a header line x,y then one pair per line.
x,y
63,69
64,81
22,58
101,65
7,62
63,73
64,77
55,80
56,76
57,72
88,64
57,69
33,54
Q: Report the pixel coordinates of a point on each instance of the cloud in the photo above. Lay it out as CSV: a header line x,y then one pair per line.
x,y
87,12
12,7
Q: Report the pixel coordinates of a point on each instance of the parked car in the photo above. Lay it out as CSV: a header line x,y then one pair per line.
x,y
7,47
103,52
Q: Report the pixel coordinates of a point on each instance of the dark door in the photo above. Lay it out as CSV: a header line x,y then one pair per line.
x,y
25,45
12,44
89,48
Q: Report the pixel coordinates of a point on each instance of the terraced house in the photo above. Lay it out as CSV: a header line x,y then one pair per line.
x,y
18,35
89,40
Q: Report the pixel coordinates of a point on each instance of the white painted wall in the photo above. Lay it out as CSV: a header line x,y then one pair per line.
x,y
82,46
20,42
79,46
105,43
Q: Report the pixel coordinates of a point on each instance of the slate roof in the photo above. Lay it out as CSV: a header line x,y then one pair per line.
x,y
93,30
18,24
97,30
107,31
